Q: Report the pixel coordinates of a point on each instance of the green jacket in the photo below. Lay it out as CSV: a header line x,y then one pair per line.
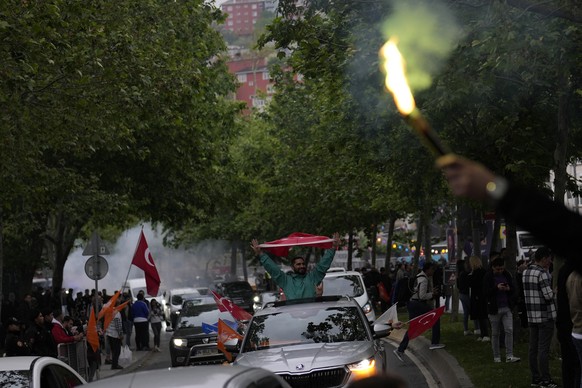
x,y
298,286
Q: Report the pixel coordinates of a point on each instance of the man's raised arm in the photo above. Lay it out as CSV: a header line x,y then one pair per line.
x,y
273,269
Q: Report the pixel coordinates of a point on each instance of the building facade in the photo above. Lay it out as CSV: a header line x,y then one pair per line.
x,y
242,15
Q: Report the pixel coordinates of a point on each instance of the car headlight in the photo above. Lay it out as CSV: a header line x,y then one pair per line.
x,y
367,308
180,342
364,368
256,299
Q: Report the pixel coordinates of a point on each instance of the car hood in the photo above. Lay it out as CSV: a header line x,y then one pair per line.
x,y
190,332
311,356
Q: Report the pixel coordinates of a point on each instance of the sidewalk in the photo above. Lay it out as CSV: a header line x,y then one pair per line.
x,y
444,368
137,360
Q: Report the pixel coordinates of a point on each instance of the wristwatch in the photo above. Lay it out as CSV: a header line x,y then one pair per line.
x,y
497,188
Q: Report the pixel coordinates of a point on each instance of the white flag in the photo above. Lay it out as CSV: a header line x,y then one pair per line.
x,y
389,316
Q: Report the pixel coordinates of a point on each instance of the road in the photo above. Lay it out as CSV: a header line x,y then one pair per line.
x,y
415,373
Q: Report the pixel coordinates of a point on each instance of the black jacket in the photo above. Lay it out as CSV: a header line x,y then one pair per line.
x,y
490,291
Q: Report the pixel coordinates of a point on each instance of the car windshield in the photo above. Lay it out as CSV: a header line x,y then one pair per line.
x,y
197,315
14,378
239,288
305,326
345,285
179,299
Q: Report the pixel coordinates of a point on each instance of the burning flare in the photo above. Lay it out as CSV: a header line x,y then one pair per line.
x,y
394,67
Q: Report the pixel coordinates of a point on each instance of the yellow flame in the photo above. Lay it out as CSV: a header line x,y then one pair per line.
x,y
396,82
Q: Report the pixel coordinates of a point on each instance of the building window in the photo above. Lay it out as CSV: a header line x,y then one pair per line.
x,y
241,77
230,23
251,83
255,13
229,8
270,89
266,75
258,102
254,6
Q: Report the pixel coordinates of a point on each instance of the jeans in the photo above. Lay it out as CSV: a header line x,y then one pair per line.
x,y
115,344
578,345
540,337
156,328
466,303
415,309
142,335
504,316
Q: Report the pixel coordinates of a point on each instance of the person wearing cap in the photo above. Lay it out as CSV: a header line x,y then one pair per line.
x,y
15,343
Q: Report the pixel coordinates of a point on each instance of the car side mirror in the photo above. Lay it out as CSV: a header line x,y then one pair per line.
x,y
381,330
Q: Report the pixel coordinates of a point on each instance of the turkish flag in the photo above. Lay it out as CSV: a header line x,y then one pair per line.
x,y
423,322
142,258
281,247
225,304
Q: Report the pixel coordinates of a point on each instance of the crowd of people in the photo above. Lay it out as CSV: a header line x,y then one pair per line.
x,y
37,324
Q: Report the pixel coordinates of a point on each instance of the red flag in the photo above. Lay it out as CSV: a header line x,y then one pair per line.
x,y
143,259
423,322
225,304
92,336
281,247
225,333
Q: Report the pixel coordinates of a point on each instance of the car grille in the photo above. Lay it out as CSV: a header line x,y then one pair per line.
x,y
239,301
199,341
317,379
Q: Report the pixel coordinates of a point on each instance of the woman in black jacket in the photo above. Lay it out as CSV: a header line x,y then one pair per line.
x,y
478,302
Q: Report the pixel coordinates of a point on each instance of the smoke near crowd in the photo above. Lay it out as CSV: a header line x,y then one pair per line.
x,y
177,267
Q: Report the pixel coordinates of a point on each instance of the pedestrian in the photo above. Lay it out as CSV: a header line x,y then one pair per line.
x,y
500,293
156,317
39,339
127,318
541,316
114,333
565,318
299,283
15,342
420,303
464,269
574,291
478,302
141,312
59,332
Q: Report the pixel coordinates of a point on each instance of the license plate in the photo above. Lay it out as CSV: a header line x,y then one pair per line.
x,y
205,352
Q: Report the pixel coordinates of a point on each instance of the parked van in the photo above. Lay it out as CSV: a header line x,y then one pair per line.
x,y
526,242
134,286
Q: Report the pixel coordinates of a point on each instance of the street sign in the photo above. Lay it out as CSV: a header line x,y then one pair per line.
x,y
95,247
96,267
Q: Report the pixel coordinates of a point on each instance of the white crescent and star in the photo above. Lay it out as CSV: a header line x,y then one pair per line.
x,y
427,318
147,256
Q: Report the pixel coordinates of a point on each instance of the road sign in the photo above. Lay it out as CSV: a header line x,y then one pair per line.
x,y
96,267
95,247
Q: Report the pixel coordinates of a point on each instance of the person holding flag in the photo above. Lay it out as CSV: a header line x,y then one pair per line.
x,y
419,311
300,283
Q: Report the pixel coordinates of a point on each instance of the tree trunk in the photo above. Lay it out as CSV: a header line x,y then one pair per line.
x,y
244,261
233,251
1,258
476,236
374,244
391,223
350,249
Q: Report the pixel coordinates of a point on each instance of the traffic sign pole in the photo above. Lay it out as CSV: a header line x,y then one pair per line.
x,y
95,248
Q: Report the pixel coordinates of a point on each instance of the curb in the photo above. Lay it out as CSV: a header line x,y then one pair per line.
x,y
444,368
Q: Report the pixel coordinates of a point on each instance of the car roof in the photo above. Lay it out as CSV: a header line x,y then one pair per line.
x,y
16,363
186,290
297,305
211,376
341,273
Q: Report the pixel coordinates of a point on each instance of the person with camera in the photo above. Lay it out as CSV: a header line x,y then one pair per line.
x,y
500,294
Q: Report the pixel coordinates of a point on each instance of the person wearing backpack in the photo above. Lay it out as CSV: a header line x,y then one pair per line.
x,y
420,303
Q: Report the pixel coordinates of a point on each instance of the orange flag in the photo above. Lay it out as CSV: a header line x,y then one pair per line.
x,y
226,333
92,336
108,311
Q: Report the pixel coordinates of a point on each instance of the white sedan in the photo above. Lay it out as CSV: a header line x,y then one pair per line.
x,y
37,372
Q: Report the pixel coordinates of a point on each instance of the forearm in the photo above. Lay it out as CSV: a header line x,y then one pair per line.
x,y
273,269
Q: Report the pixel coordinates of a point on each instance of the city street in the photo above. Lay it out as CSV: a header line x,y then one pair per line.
x,y
413,370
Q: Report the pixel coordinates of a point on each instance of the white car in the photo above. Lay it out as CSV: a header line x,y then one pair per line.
x,y
174,300
202,376
340,282
37,372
